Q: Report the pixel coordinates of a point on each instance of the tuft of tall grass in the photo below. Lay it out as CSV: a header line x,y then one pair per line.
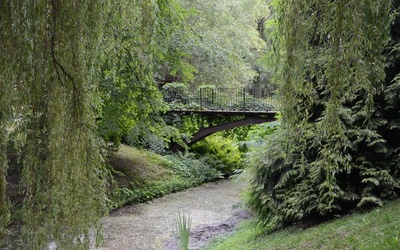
x,y
183,225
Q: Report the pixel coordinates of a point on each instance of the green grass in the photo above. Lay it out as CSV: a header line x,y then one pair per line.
x,y
138,167
141,176
377,229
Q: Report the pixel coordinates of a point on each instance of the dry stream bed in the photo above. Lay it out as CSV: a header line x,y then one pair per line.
x,y
213,208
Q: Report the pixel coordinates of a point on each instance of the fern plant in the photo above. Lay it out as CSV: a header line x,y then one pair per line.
x,y
221,153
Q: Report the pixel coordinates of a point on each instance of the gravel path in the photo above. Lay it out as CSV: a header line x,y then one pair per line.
x,y
212,207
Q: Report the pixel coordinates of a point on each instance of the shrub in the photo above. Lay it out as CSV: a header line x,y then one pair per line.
x,y
154,138
142,137
221,153
196,170
256,136
136,194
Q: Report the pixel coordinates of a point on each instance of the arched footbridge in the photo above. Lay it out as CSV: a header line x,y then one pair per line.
x,y
222,108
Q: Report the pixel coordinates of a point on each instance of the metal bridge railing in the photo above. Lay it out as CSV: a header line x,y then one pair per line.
x,y
224,99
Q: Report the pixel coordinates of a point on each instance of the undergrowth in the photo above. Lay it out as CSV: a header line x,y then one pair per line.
x,y
129,195
140,176
221,153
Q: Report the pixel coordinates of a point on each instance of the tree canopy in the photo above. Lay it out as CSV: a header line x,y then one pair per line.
x,y
219,40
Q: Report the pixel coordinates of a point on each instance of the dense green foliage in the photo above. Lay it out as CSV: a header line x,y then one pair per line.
x,y
141,175
218,39
48,76
64,65
221,153
257,136
127,89
179,42
76,71
193,169
333,151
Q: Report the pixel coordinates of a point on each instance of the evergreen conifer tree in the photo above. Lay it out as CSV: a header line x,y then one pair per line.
x,y
333,152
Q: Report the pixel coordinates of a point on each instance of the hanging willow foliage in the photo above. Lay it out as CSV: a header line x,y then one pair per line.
x,y
49,54
6,96
327,158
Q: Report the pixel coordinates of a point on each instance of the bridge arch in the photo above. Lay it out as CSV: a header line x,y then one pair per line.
x,y
213,129
245,106
247,118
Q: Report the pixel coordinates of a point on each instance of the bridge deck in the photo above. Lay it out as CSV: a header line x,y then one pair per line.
x,y
226,101
268,113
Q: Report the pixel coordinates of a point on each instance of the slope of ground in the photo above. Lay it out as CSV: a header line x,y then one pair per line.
x,y
140,175
377,229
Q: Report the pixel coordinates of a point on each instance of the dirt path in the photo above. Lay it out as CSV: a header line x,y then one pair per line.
x,y
212,207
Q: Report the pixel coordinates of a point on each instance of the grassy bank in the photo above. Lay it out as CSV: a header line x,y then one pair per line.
x,y
140,176
378,229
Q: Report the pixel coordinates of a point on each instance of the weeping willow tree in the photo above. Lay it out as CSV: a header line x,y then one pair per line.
x,y
49,55
328,156
53,55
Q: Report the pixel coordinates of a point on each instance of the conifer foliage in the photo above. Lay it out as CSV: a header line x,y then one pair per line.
x,y
331,153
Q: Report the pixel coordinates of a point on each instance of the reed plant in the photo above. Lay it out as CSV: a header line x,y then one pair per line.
x,y
183,224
